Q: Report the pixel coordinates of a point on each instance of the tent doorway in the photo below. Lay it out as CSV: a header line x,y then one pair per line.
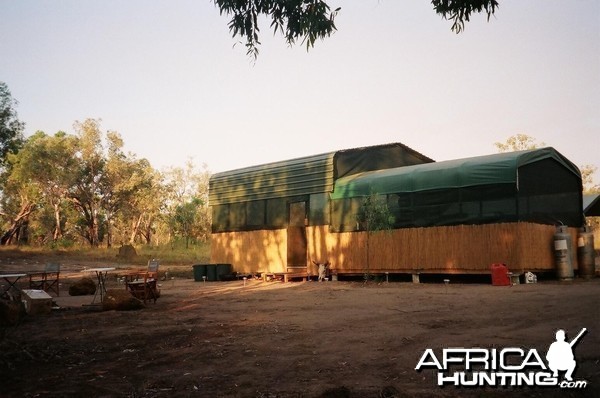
x,y
296,235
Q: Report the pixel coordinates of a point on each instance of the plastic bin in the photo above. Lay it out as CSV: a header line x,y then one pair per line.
x,y
211,272
199,272
223,271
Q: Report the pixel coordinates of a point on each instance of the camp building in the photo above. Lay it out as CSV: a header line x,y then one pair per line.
x,y
457,216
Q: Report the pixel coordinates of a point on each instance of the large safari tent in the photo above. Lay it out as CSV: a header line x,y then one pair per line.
x,y
457,216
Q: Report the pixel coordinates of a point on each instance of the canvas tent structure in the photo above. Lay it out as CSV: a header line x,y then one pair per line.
x,y
591,205
259,197
539,186
457,216
591,208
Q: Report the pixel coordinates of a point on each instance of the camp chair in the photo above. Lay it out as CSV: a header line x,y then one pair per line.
x,y
144,285
46,280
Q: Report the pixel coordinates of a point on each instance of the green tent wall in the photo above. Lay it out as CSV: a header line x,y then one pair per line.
x,y
258,197
538,185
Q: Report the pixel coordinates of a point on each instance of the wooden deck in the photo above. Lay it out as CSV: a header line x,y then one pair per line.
x,y
287,276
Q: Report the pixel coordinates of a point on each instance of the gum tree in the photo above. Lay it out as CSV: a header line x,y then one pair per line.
x,y
46,163
518,142
11,128
186,211
309,20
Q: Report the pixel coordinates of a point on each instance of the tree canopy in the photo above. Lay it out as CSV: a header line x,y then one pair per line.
x,y
459,11
65,189
309,20
11,128
518,142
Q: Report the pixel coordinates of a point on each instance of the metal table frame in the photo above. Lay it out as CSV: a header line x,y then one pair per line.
x,y
13,284
101,274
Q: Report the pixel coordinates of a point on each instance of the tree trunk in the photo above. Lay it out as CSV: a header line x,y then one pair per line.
x,y
92,230
93,233
108,235
88,211
136,228
57,229
148,230
21,221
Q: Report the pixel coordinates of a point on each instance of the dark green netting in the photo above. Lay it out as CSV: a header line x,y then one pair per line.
x,y
499,168
591,205
269,188
537,186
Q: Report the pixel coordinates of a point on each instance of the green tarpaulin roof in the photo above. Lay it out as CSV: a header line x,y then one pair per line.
x,y
307,175
499,168
591,205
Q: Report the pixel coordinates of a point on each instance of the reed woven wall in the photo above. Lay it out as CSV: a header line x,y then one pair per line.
x,y
449,249
264,250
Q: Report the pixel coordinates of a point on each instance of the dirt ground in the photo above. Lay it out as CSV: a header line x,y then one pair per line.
x,y
298,339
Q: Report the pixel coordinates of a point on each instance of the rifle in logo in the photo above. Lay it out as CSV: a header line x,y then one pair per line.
x,y
560,354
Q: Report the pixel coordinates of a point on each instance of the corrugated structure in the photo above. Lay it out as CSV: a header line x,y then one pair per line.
x,y
451,217
258,197
303,176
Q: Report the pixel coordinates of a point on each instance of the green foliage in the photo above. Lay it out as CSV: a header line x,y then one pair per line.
x,y
71,189
176,252
11,128
587,179
459,11
309,20
374,214
177,259
186,202
184,218
45,165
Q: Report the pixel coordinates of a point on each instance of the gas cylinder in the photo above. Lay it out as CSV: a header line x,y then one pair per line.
x,y
585,253
563,250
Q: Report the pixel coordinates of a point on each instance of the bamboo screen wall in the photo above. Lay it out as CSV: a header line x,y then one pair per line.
x,y
264,250
447,249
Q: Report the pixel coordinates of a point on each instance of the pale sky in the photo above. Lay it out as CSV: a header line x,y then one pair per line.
x,y
168,76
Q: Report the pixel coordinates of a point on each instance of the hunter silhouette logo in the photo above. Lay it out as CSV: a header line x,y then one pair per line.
x,y
560,354
510,366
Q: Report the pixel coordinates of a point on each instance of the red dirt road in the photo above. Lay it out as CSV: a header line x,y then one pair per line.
x,y
300,339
